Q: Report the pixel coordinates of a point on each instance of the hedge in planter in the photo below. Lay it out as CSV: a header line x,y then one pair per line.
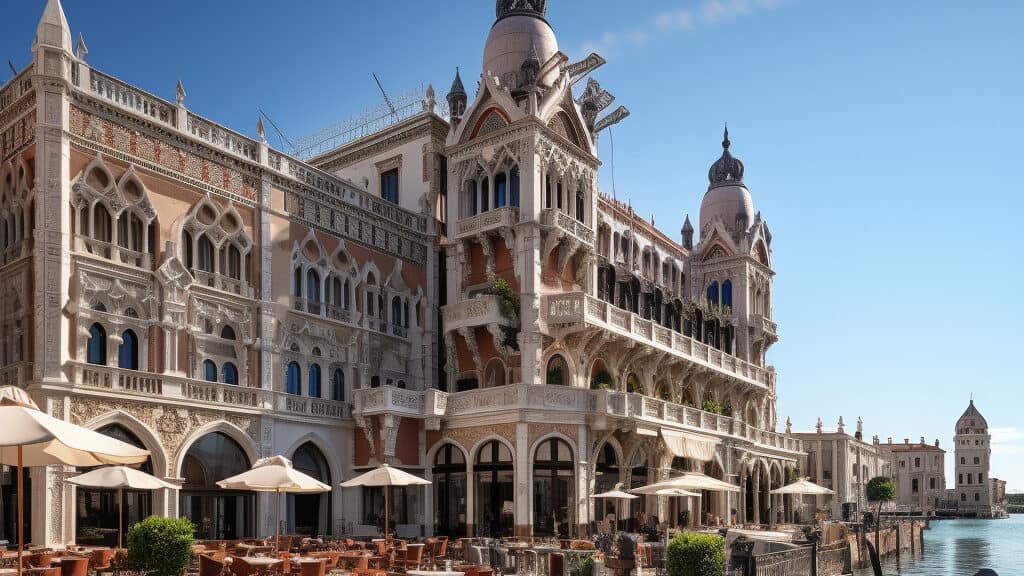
x,y
162,546
693,554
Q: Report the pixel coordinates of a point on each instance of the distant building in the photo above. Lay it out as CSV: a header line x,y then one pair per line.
x,y
919,472
842,463
976,494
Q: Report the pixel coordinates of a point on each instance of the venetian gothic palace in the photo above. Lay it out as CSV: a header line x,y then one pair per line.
x,y
449,292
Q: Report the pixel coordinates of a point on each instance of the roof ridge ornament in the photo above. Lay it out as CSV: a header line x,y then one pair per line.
x,y
505,8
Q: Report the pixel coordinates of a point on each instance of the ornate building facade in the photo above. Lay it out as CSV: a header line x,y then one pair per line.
x,y
450,293
919,469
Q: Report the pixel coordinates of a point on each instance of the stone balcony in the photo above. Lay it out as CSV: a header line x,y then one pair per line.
x,y
479,311
552,217
576,311
176,389
603,409
496,219
765,326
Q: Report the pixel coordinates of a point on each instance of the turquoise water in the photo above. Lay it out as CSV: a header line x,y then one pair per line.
x,y
962,547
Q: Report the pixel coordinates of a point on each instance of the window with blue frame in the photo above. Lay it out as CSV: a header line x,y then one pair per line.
x,y
209,371
713,294
230,374
128,351
314,381
389,185
500,190
338,385
727,294
293,379
96,350
514,185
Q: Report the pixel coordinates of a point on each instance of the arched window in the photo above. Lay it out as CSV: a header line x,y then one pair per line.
x,y
312,511
293,379
186,243
375,382
558,371
204,254
345,294
96,350
97,510
101,223
312,286
227,332
449,484
336,298
211,458
338,385
633,385
405,313
297,282
396,311
128,351
581,205
606,476
471,199
230,374
553,489
727,294
314,381
514,185
500,190
234,262
713,294
209,370
494,482
547,191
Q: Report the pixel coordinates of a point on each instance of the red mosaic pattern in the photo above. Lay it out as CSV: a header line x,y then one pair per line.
x,y
170,157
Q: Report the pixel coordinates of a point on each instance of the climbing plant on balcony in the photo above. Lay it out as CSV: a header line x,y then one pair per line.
x,y
602,381
508,304
712,405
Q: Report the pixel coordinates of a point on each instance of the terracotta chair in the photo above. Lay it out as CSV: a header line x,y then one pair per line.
x,y
313,568
476,570
210,567
239,567
286,564
74,566
556,564
100,559
51,571
37,560
413,556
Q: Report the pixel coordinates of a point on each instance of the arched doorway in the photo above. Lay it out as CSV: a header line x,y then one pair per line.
x,y
493,477
554,489
449,485
218,514
558,371
311,512
96,510
606,476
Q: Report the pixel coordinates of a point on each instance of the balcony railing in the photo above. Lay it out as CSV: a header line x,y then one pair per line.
x,y
496,219
568,224
479,311
16,374
577,308
112,252
133,99
163,386
222,282
526,397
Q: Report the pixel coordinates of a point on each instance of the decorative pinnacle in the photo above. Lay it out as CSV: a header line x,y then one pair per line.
x,y
457,87
260,131
725,137
179,93
81,50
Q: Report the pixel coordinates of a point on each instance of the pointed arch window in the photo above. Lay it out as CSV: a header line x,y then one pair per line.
x,y
338,385
727,294
312,285
396,311
472,201
227,333
500,190
204,254
234,262
713,294
514,186
101,223
293,379
581,201
347,294
96,350
209,370
186,242
314,381
128,351
230,374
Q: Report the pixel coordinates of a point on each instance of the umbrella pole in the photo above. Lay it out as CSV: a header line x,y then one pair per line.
x,y
120,515
21,511
387,508
277,523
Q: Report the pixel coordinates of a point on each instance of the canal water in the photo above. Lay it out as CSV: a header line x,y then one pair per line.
x,y
962,547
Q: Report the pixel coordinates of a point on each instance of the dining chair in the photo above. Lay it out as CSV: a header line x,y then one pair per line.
x,y
74,566
100,559
315,568
208,566
240,567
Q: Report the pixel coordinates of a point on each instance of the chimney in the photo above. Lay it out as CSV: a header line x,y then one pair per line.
x,y
906,441
890,439
922,440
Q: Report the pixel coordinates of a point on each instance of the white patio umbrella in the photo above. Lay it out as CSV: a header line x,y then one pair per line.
x,y
32,438
618,495
275,474
690,481
678,493
801,488
385,476
120,477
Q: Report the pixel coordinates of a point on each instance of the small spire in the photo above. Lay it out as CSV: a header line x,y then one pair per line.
x,y
841,425
687,233
789,425
179,93
457,87
53,29
725,138
260,130
81,51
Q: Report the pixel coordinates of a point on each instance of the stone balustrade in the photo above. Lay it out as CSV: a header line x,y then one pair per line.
x,y
525,397
504,217
133,99
478,311
223,283
113,252
162,386
566,223
579,309
223,138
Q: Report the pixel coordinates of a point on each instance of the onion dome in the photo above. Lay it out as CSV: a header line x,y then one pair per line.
x,y
505,8
972,422
520,36
727,197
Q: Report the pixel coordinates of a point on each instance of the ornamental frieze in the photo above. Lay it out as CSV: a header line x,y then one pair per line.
x,y
469,437
539,430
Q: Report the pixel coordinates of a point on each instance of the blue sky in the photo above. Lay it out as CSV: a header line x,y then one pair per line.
x,y
881,141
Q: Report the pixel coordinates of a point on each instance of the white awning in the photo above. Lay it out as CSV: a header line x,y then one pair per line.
x,y
688,445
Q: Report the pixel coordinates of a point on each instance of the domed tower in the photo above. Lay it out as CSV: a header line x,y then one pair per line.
x,y
973,453
732,263
520,42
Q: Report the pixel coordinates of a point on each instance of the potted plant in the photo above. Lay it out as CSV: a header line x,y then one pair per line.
x,y
161,546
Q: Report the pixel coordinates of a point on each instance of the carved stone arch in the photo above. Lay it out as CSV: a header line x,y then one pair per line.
x,y
532,453
571,361
610,439
491,119
149,438
341,254
248,445
313,438
310,250
475,451
431,454
137,201
370,267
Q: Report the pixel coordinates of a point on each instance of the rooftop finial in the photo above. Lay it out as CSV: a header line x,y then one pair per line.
x,y
725,137
505,8
727,170
53,29
179,93
260,130
81,50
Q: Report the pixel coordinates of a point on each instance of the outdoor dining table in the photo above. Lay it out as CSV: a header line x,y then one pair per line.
x,y
262,564
434,573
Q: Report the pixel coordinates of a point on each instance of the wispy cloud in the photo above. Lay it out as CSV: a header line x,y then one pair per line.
x,y
707,13
1007,440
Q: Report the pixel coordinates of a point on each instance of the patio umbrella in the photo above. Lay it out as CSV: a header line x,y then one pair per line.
x,y
803,487
618,495
33,438
120,477
274,474
689,481
385,476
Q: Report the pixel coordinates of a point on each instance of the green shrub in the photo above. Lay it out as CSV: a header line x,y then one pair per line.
x,y
602,381
881,489
693,554
162,546
711,405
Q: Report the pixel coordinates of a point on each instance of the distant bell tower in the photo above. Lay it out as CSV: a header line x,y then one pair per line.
x,y
973,448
